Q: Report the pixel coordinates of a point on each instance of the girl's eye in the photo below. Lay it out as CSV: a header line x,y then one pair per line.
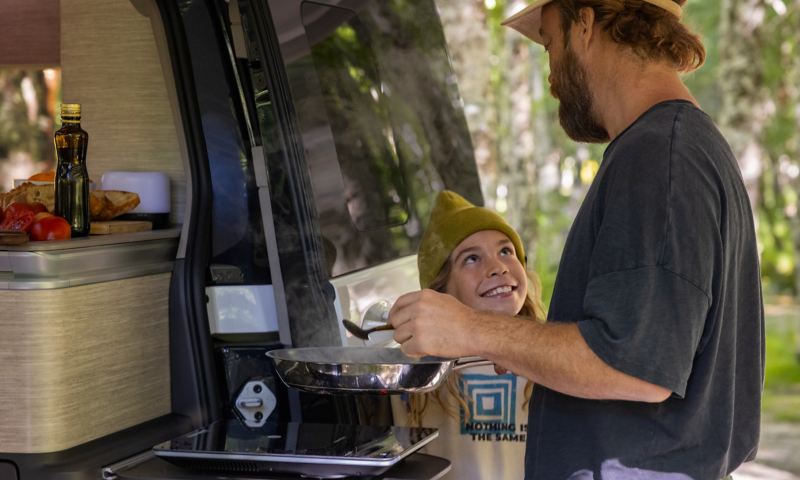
x,y
507,251
470,259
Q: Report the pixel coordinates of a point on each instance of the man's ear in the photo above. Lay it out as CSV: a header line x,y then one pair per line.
x,y
586,26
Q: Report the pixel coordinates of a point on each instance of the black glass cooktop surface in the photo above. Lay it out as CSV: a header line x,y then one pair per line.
x,y
314,450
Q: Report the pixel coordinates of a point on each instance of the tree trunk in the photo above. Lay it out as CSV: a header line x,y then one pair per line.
x,y
745,104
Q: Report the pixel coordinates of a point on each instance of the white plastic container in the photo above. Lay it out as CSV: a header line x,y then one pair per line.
x,y
152,187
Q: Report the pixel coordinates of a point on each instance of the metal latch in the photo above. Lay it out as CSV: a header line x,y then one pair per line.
x,y
255,403
226,274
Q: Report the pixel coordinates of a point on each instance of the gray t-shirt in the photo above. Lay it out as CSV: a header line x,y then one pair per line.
x,y
660,271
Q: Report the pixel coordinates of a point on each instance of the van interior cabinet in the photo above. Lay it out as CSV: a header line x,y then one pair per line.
x,y
84,350
76,365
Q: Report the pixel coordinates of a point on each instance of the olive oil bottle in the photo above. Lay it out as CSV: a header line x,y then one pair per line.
x,y
72,178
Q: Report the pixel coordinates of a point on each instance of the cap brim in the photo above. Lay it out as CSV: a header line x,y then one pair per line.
x,y
528,21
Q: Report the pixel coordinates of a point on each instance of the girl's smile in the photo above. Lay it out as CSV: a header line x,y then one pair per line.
x,y
504,291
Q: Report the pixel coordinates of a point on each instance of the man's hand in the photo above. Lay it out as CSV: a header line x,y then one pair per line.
x,y
432,323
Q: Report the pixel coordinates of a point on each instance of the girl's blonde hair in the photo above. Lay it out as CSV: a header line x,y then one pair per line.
x,y
532,308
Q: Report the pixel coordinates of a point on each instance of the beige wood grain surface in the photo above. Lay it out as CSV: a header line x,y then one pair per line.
x,y
110,65
83,362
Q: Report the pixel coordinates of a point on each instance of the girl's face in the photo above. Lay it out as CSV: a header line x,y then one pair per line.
x,y
486,273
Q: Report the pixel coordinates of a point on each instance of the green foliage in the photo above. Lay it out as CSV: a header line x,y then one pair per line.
x,y
703,19
783,347
26,123
19,128
781,406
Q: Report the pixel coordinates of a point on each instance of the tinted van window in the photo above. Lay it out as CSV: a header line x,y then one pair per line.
x,y
380,121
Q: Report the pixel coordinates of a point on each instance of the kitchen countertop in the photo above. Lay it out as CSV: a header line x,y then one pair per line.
x,y
97,258
93,241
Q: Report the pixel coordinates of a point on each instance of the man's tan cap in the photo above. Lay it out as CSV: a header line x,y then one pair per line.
x,y
528,21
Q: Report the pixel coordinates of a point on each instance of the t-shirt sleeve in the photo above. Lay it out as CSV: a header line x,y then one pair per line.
x,y
645,322
646,301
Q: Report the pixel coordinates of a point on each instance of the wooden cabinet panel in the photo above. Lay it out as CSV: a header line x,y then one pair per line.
x,y
83,362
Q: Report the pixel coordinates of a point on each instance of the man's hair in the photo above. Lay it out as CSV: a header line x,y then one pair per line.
x,y
651,32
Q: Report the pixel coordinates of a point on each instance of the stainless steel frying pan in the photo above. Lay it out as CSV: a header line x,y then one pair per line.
x,y
363,369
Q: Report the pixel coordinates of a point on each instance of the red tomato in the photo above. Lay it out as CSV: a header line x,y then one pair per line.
x,y
51,227
38,207
41,215
19,217
18,207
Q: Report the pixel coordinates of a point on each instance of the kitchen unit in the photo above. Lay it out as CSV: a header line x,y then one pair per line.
x,y
65,305
304,143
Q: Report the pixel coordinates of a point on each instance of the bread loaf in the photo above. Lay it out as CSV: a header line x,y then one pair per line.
x,y
30,193
107,204
103,204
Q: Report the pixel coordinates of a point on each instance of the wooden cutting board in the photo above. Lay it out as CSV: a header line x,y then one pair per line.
x,y
12,238
119,226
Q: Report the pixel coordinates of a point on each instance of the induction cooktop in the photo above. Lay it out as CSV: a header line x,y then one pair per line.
x,y
311,450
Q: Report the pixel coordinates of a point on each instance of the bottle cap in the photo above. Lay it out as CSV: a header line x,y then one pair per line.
x,y
70,110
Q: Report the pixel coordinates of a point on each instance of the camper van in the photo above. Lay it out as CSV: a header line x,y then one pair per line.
x,y
304,143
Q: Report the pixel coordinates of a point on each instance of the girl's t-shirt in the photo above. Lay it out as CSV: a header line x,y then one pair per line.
x,y
488,442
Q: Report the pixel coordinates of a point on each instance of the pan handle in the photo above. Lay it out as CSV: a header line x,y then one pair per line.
x,y
466,362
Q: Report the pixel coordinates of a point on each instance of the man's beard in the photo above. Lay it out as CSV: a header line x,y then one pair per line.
x,y
576,106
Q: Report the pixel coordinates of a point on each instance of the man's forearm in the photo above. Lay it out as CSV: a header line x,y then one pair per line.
x,y
556,356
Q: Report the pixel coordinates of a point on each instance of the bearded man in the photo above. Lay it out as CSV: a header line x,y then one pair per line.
x,y
651,364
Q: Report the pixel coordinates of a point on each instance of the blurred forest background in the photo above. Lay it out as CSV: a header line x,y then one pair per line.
x,y
28,100
537,176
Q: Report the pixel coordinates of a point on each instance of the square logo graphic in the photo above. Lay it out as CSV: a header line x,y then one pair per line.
x,y
491,400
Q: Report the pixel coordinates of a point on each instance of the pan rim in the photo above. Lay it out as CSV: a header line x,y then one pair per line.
x,y
288,354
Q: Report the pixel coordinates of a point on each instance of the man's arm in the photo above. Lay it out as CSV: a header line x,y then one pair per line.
x,y
554,355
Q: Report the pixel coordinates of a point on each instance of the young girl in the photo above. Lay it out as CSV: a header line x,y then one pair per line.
x,y
472,254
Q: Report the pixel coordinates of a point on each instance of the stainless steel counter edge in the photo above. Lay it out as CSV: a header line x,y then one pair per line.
x,y
105,257
85,278
110,472
96,260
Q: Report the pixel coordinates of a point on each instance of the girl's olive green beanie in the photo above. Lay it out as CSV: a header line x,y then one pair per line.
x,y
452,220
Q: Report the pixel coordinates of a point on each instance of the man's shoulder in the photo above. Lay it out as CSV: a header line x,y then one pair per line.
x,y
666,129
659,123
